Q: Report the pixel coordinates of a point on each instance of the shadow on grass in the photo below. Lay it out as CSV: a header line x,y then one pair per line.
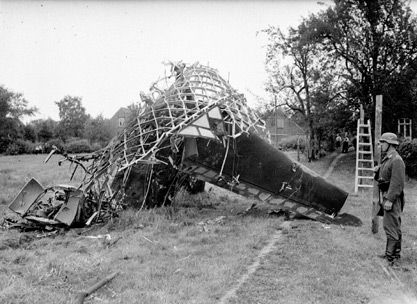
x,y
347,219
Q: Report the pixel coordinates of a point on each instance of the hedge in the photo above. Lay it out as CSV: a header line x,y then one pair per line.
x,y
408,151
20,146
78,146
74,145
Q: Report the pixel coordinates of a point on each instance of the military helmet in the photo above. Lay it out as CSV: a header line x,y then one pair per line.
x,y
390,138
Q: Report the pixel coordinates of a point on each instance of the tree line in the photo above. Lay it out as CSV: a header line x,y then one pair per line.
x,y
76,131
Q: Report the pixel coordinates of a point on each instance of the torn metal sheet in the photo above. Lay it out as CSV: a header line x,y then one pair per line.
x,y
71,207
26,197
55,205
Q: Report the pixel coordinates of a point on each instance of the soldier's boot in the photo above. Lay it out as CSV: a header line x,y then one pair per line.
x,y
390,252
397,251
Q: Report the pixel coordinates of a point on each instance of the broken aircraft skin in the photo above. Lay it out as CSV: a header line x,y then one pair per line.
x,y
196,128
255,169
60,206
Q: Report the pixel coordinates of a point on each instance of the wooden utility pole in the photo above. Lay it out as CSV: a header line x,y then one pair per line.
x,y
377,159
361,115
378,127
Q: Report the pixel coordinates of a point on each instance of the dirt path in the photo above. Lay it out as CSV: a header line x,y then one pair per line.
x,y
333,163
270,246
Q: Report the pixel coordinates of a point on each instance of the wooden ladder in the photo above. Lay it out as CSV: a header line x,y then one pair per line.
x,y
364,156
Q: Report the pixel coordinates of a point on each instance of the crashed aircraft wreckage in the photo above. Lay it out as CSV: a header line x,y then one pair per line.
x,y
196,129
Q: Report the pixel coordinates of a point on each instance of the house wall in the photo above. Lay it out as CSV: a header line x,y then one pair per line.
x,y
118,121
280,126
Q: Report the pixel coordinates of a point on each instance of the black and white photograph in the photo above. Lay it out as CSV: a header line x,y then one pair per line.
x,y
208,151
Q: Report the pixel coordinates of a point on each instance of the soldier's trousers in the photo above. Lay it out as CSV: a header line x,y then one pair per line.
x,y
392,228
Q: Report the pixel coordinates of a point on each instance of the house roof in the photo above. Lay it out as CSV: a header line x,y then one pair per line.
x,y
269,113
122,112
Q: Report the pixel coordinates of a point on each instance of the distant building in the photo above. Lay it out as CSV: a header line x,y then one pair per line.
x,y
119,120
279,126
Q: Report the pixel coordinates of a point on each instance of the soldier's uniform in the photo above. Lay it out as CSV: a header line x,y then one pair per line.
x,y
391,180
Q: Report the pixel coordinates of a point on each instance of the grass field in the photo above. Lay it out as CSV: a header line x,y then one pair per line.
x,y
198,249
15,171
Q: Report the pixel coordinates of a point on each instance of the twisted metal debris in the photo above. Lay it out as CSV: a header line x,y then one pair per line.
x,y
150,145
155,136
195,127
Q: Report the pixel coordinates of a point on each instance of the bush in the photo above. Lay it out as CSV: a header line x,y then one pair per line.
x,y
95,146
20,146
408,151
291,142
13,149
78,146
4,144
53,142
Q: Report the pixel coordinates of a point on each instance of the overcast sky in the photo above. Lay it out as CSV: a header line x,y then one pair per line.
x,y
108,51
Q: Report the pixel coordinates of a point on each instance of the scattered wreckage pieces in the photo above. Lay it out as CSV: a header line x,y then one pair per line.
x,y
220,220
59,206
84,294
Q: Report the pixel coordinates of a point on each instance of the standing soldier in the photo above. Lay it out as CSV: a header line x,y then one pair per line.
x,y
345,145
338,142
391,179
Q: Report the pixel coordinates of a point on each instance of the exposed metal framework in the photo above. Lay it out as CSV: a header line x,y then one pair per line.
x,y
190,92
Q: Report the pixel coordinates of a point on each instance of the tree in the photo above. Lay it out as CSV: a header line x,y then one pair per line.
x,y
29,133
376,41
45,129
72,117
301,76
98,130
12,107
364,48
